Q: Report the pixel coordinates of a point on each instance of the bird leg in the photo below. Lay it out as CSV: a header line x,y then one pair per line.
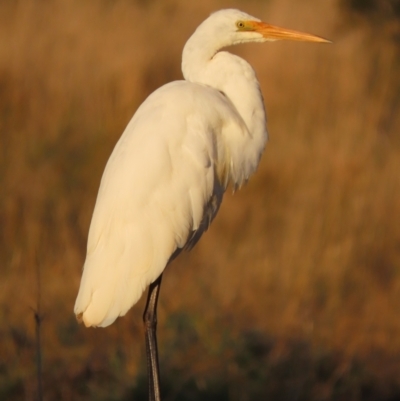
x,y
150,323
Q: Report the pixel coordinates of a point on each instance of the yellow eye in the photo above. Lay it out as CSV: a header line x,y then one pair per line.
x,y
240,24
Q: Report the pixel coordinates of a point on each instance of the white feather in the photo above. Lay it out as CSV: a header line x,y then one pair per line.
x,y
165,179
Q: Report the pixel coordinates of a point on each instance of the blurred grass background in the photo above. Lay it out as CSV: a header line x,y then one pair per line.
x,y
294,293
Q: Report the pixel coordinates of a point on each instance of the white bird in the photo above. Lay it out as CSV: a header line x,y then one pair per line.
x,y
166,177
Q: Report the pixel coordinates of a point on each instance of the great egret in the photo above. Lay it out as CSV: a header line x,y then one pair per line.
x,y
166,177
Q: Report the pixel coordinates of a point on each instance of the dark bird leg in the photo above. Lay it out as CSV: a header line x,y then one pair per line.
x,y
150,323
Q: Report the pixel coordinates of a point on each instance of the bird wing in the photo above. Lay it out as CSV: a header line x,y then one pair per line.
x,y
161,188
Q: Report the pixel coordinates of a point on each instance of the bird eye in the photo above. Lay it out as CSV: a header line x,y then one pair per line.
x,y
240,24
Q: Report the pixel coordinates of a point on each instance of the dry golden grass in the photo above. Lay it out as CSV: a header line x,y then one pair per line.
x,y
307,253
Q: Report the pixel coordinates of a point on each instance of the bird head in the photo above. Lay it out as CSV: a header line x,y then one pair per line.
x,y
267,32
234,26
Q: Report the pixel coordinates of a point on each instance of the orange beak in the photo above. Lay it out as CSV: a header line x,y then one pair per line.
x,y
272,32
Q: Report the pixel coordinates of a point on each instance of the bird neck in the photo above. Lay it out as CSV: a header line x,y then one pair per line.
x,y
195,58
234,77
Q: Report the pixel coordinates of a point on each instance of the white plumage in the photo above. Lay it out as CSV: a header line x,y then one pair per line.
x,y
165,179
